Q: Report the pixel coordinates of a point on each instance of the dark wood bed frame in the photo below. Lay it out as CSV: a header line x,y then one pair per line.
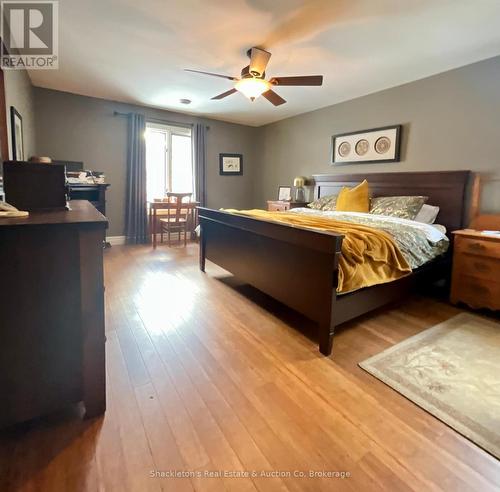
x,y
299,267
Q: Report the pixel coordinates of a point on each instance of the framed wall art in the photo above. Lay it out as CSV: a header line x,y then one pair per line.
x,y
230,164
16,129
375,145
285,193
4,134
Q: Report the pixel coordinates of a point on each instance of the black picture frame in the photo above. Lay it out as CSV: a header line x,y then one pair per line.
x,y
397,145
17,147
223,172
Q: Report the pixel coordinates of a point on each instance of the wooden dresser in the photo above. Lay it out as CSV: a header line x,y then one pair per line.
x,y
52,313
476,269
282,205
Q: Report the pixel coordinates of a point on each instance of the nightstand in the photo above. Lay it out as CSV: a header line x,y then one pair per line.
x,y
476,269
283,205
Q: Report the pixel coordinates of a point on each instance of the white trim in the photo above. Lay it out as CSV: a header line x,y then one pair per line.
x,y
169,131
120,240
115,240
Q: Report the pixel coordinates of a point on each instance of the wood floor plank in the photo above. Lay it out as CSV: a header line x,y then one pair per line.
x,y
221,453
137,454
161,440
234,430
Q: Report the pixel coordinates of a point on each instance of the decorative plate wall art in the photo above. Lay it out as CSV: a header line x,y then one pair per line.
x,y
375,145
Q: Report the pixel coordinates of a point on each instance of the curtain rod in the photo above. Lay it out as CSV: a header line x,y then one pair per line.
x,y
159,120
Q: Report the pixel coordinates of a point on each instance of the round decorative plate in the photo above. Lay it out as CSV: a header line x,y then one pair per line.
x,y
362,147
344,149
382,145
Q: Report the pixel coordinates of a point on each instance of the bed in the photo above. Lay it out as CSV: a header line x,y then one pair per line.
x,y
299,266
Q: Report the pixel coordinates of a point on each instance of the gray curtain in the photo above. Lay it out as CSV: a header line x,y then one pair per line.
x,y
136,216
200,157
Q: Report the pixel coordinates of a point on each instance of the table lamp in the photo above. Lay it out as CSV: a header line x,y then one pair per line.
x,y
298,183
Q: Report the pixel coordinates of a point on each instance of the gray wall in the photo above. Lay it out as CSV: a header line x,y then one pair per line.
x,y
84,129
20,94
451,121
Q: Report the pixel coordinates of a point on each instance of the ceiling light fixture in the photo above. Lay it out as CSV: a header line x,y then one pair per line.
x,y
252,87
253,84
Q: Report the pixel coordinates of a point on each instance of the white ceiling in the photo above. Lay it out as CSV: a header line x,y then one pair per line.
x,y
135,51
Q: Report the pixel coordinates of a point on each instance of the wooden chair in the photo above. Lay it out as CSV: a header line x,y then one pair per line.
x,y
177,217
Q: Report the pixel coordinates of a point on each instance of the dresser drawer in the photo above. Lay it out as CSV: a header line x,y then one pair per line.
x,y
476,266
476,292
477,246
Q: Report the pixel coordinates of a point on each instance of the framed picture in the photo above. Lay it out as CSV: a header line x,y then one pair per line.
x,y
230,164
375,145
4,134
16,130
285,193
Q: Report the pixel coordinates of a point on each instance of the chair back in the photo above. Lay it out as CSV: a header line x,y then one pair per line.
x,y
178,199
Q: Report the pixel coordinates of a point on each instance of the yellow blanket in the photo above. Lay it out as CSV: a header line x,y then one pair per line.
x,y
369,256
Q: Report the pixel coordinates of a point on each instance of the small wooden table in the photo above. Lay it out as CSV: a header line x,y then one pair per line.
x,y
476,269
283,205
153,216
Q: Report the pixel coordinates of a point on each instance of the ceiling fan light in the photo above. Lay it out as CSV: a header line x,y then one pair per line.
x,y
252,87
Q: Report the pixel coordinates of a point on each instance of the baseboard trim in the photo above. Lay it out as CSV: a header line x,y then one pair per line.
x,y
120,240
116,240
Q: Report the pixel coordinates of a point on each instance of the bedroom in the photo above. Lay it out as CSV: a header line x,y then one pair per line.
x,y
223,379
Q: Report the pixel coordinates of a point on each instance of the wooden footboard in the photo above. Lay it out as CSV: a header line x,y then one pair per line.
x,y
294,265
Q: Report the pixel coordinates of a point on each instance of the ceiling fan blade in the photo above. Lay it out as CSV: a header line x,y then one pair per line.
x,y
299,80
225,94
273,98
259,59
211,74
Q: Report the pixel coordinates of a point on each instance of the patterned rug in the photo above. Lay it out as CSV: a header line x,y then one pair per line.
x,y
452,370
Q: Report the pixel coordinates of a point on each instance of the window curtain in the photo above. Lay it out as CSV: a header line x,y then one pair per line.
x,y
136,216
200,157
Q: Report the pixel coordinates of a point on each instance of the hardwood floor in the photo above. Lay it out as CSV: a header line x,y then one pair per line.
x,y
207,375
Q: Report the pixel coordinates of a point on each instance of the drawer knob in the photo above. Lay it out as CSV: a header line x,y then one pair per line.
x,y
481,267
476,246
480,289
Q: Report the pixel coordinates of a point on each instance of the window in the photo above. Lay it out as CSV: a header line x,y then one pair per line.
x,y
169,163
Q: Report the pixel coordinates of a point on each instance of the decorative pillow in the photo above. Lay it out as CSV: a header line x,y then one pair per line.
x,y
427,214
404,207
321,203
331,205
354,199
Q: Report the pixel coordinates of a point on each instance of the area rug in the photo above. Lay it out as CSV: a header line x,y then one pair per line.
x,y
452,370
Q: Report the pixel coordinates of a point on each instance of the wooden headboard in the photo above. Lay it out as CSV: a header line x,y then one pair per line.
x,y
449,190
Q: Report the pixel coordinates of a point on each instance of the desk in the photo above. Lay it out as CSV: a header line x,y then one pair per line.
x,y
94,193
153,216
52,313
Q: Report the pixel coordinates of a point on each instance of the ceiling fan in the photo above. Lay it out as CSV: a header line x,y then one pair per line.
x,y
253,83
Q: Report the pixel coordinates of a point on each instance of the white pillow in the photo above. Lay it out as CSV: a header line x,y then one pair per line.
x,y
440,228
427,214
